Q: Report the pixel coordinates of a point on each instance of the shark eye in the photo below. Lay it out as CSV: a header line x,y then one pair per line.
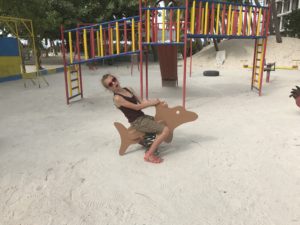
x,y
177,112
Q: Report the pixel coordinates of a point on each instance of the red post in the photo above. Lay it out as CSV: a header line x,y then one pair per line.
x,y
65,62
184,53
92,39
263,22
245,21
141,50
198,18
191,56
153,24
79,59
212,18
254,23
147,73
109,40
105,42
171,24
125,35
223,19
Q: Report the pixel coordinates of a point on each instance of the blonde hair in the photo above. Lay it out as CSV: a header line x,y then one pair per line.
x,y
104,77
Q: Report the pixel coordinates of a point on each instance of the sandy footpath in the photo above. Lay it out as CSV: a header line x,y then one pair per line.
x,y
238,164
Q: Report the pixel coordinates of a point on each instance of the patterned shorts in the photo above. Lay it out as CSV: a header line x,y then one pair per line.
x,y
146,124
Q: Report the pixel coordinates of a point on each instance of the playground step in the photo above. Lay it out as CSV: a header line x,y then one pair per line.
x,y
73,96
75,79
77,87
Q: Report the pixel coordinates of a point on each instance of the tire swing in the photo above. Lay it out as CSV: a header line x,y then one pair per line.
x,y
211,73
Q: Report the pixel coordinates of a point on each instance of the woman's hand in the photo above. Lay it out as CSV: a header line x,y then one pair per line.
x,y
152,102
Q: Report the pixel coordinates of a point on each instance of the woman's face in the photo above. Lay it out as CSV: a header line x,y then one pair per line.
x,y
112,83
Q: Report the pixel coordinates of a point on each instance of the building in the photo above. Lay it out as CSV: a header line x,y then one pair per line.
x,y
285,7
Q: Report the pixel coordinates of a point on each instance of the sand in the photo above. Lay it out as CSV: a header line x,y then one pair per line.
x,y
237,164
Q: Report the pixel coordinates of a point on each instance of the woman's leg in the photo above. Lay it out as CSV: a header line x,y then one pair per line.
x,y
149,155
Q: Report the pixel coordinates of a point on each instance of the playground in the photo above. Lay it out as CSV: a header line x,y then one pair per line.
x,y
237,163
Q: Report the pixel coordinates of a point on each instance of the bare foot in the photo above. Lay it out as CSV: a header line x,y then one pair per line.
x,y
153,159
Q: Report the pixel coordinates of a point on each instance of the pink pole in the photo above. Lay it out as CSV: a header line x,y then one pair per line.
x,y
92,39
171,24
191,53
64,59
212,18
141,50
184,53
245,21
78,48
125,36
109,40
223,19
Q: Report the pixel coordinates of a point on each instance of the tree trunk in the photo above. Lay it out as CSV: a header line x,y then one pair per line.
x,y
275,21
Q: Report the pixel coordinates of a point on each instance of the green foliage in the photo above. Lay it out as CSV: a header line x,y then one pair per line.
x,y
292,24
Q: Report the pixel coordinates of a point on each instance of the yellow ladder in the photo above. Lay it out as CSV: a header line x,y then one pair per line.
x,y
73,81
258,64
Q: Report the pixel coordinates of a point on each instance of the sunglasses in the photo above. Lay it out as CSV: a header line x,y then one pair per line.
x,y
114,80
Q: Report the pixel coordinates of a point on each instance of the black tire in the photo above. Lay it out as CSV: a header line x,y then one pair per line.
x,y
211,73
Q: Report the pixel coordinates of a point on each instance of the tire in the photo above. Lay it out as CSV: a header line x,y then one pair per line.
x,y
211,73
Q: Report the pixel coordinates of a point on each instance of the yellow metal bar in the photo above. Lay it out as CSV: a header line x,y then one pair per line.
x,y
132,35
177,26
206,15
192,25
117,38
70,47
34,48
86,56
240,20
101,41
229,20
11,28
258,23
249,21
98,43
28,29
163,25
218,15
20,50
148,26
13,19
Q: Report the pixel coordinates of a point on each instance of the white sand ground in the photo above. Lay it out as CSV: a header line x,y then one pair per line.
x,y
238,164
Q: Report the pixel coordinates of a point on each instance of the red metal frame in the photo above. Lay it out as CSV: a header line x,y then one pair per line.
x,y
184,54
223,19
212,18
141,50
65,63
79,59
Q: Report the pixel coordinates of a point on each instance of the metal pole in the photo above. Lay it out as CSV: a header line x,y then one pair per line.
x,y
184,54
79,59
64,60
141,50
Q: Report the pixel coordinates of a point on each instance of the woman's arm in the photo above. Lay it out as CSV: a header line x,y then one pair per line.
x,y
120,101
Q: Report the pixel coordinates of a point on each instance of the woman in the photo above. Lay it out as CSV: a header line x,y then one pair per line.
x,y
127,101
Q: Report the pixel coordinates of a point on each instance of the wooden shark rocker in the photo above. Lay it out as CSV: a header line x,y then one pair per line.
x,y
171,117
